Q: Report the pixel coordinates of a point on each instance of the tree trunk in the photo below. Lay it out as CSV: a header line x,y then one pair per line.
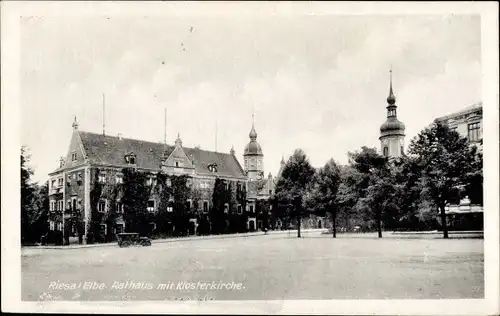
x,y
334,224
443,221
379,224
299,220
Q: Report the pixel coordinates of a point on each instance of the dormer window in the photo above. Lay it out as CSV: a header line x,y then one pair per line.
x,y
73,156
130,158
212,167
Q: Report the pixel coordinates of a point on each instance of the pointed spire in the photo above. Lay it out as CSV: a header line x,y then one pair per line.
x,y
75,124
232,152
253,133
391,99
178,141
282,160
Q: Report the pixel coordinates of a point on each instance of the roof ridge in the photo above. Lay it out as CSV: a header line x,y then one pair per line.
x,y
155,143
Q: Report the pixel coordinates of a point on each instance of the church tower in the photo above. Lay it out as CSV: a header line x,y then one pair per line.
x,y
392,132
253,157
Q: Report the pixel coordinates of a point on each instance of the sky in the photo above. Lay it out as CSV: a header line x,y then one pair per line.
x,y
315,82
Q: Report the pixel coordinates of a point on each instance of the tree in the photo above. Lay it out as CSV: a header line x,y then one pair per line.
x,y
28,199
446,160
379,194
220,197
136,193
180,193
293,184
323,192
348,193
374,189
94,225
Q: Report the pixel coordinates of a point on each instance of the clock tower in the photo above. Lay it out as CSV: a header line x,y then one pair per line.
x,y
253,157
392,132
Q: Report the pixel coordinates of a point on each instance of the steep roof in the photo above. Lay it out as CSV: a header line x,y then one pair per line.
x,y
111,150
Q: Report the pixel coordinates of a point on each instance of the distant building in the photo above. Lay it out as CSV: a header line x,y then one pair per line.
x,y
392,132
98,158
467,122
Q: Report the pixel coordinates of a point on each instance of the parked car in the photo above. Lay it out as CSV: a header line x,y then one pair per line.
x,y
132,239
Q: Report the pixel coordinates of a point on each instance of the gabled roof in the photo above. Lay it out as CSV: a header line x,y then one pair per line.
x,y
111,150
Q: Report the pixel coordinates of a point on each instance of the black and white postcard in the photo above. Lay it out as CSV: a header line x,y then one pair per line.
x,y
250,158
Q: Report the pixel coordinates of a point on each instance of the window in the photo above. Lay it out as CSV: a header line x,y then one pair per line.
x,y
251,208
119,207
52,225
60,181
226,208
402,150
73,156
61,205
149,181
226,186
79,205
238,186
386,151
102,177
270,192
240,209
119,178
59,226
69,178
101,206
103,229
177,164
189,204
473,132
52,206
53,184
79,176
68,204
151,205
205,206
212,167
170,209
74,176
169,183
130,158
189,183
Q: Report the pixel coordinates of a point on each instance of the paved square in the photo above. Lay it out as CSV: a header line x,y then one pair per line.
x,y
271,267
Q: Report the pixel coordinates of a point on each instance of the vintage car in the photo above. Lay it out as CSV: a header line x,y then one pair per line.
x,y
132,239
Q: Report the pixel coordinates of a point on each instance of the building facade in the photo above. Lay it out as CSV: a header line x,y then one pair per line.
x,y
392,132
468,122
98,160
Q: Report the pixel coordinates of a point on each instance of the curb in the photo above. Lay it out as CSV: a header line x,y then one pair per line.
x,y
177,239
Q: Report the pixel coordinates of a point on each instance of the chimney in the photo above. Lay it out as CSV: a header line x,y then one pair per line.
x,y
120,136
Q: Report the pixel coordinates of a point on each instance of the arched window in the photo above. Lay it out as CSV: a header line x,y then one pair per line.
x,y
402,150
386,151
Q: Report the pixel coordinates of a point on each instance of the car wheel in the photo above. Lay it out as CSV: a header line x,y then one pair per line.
x,y
125,244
